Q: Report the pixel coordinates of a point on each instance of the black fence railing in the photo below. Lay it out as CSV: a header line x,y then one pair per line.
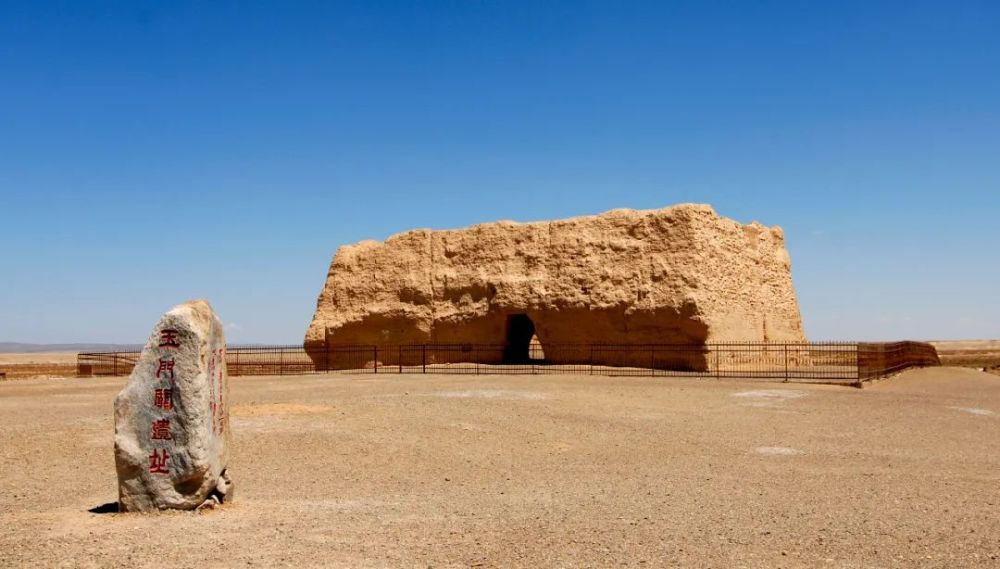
x,y
240,360
826,362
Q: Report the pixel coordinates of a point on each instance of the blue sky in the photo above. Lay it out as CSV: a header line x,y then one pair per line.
x,y
152,152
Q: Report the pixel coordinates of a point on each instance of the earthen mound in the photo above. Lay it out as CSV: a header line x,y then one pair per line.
x,y
679,275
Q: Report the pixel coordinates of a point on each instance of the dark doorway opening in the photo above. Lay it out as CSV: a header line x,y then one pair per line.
x,y
520,330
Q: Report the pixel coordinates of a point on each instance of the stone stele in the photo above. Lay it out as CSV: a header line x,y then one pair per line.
x,y
681,274
172,417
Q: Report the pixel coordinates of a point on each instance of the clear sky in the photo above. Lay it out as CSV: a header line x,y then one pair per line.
x,y
152,152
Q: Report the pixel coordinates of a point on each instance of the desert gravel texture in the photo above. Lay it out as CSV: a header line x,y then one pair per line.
x,y
530,471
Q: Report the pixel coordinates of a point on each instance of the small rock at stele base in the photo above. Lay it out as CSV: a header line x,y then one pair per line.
x,y
172,434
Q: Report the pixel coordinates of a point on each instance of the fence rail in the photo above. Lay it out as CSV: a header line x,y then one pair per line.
x,y
827,362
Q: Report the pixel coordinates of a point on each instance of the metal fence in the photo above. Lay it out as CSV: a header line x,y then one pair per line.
x,y
880,359
240,360
826,362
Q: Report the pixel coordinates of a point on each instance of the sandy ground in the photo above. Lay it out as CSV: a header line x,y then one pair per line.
x,y
38,358
37,364
967,345
529,471
972,353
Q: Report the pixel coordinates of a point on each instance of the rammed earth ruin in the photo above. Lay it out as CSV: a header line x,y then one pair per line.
x,y
678,275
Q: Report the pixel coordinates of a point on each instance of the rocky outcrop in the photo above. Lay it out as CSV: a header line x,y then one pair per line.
x,y
171,419
676,275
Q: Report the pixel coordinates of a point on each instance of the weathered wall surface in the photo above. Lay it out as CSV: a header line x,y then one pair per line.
x,y
680,274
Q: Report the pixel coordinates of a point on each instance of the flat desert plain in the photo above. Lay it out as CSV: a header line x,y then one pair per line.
x,y
530,471
973,353
37,364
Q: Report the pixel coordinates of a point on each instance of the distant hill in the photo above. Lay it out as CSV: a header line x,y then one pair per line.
x,y
18,347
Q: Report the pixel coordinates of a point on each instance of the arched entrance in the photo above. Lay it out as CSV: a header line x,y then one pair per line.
x,y
520,330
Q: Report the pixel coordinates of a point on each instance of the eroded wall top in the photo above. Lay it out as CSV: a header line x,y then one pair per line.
x,y
678,274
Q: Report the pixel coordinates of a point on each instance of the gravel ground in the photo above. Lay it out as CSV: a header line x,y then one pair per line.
x,y
529,471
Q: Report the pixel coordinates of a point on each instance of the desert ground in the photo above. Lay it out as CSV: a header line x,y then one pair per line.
x,y
37,364
528,471
971,353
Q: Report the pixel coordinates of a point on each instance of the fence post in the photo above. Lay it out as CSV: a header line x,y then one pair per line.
x,y
857,364
786,363
400,361
281,362
375,358
652,361
718,366
423,357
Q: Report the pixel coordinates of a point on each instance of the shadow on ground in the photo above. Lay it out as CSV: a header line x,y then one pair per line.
x,y
109,508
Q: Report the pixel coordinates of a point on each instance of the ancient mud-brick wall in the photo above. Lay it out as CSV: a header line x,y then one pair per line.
x,y
676,275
